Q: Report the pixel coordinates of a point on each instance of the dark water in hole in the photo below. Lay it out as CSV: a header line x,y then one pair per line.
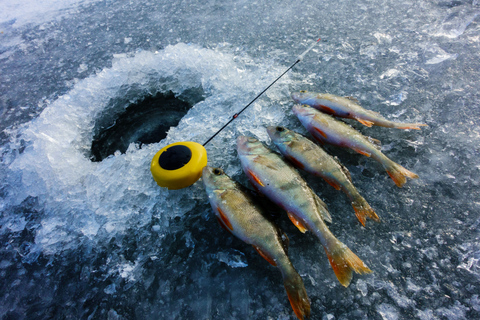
x,y
144,122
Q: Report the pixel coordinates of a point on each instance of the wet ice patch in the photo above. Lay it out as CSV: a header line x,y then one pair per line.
x,y
20,13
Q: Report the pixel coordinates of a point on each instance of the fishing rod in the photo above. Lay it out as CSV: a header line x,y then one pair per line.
x,y
180,164
299,58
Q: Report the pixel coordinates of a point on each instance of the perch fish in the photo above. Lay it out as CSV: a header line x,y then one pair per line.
x,y
238,213
327,129
347,107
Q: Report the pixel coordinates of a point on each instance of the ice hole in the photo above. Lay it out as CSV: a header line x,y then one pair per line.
x,y
144,121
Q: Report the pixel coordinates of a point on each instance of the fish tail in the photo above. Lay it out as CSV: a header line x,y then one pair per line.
x,y
363,210
415,126
297,295
398,173
343,262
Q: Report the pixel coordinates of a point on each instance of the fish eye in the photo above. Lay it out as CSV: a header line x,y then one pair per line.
x,y
217,171
303,91
280,129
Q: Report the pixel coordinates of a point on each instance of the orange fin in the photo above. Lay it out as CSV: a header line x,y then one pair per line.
x,y
333,184
343,262
399,174
254,177
224,219
266,257
295,162
297,295
321,132
365,122
363,210
367,154
297,223
220,222
327,109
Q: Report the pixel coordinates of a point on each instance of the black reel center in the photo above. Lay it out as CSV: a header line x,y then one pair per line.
x,y
175,157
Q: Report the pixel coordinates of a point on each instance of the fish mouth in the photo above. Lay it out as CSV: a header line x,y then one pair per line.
x,y
276,132
241,140
243,144
295,96
206,171
207,175
271,131
301,96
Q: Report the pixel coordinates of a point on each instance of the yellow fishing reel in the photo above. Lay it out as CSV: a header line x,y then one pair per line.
x,y
179,164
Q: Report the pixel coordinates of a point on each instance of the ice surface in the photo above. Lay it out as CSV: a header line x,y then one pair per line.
x,y
102,241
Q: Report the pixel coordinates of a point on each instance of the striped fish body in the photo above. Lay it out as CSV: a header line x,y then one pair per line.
x,y
238,213
346,107
283,185
307,155
326,129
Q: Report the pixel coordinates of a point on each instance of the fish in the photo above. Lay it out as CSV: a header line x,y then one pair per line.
x,y
347,107
238,212
284,186
326,129
305,154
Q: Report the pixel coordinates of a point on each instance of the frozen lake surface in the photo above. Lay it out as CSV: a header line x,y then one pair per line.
x,y
85,239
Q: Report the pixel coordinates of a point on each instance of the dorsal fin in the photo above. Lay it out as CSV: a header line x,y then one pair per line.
x,y
322,208
377,143
344,169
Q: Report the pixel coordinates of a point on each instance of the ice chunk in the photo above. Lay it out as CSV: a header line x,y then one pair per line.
x,y
233,258
455,23
435,55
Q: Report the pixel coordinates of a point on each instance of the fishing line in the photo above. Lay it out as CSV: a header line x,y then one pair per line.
x,y
180,164
300,58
